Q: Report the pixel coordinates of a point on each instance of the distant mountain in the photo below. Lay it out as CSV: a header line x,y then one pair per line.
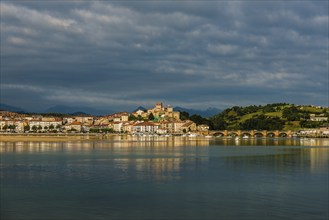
x,y
204,113
83,110
79,114
76,110
140,108
11,108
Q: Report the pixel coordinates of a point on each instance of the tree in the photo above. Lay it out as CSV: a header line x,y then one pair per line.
x,y
94,130
72,130
219,123
310,124
5,127
237,110
184,116
132,117
268,108
263,122
34,128
198,120
51,126
291,113
12,127
151,117
39,128
27,128
140,118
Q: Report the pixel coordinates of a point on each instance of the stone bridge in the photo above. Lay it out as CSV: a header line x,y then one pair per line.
x,y
252,133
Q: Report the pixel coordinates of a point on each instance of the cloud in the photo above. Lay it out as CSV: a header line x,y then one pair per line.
x,y
222,49
187,53
34,17
22,87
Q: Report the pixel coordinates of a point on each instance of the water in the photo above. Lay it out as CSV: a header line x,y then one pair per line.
x,y
165,178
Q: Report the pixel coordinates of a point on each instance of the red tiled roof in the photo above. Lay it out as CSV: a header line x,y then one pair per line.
x,y
75,123
187,124
145,123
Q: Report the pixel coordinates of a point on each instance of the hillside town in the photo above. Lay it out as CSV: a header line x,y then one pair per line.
x,y
158,120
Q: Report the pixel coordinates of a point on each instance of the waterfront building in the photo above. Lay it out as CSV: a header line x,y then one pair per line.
x,y
43,125
2,125
6,125
127,127
324,129
203,127
188,126
162,131
117,126
145,127
73,126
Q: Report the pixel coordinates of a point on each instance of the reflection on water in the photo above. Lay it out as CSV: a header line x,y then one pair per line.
x,y
170,147
278,142
319,159
116,141
157,142
165,178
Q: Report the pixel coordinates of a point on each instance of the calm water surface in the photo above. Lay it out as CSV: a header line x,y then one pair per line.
x,y
165,178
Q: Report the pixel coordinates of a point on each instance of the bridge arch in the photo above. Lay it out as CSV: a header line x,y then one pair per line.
x,y
283,134
270,134
218,134
246,133
259,134
232,133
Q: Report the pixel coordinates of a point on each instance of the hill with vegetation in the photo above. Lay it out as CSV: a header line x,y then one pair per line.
x,y
277,116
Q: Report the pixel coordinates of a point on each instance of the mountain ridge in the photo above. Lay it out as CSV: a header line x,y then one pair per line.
x,y
75,109
11,108
64,109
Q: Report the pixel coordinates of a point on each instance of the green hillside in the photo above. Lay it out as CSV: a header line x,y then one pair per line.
x,y
277,116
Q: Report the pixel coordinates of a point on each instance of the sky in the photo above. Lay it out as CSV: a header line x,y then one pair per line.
x,y
119,55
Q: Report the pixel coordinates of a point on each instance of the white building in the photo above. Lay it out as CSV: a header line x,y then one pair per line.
x,y
44,125
18,126
117,126
145,127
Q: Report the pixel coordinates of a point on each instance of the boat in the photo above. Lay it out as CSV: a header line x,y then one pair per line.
x,y
245,137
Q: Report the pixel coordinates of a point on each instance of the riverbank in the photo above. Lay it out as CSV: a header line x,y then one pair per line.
x,y
71,137
33,137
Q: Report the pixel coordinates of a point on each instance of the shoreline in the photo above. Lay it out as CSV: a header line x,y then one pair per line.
x,y
65,137
55,137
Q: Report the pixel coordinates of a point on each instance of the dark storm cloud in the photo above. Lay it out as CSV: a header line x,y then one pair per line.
x,y
125,54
